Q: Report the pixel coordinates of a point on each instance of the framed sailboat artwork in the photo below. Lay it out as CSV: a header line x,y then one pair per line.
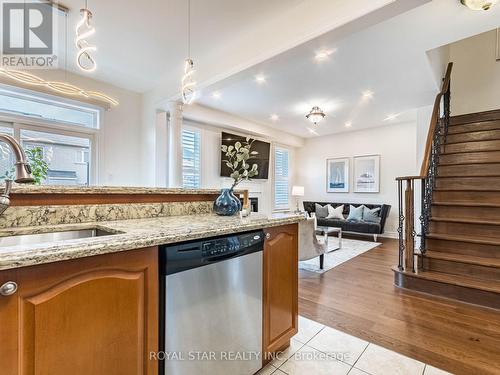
x,y
337,175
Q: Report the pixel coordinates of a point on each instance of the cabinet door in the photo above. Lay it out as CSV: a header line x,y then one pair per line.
x,y
280,287
95,315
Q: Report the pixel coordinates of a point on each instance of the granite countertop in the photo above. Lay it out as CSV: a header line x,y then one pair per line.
x,y
131,234
61,189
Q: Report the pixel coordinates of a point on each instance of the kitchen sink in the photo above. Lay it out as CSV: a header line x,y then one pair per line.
x,y
39,238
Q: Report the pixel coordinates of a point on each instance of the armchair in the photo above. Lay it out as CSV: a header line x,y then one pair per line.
x,y
309,245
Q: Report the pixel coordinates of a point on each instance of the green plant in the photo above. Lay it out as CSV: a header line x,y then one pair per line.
x,y
237,160
39,167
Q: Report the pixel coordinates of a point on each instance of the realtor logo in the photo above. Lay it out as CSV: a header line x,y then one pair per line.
x,y
27,35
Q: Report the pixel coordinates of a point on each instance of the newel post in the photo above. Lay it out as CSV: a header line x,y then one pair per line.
x,y
406,229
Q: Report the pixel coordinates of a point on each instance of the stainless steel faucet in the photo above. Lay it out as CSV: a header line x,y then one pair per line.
x,y
23,170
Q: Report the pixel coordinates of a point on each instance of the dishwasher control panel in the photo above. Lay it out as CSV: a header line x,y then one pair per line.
x,y
229,245
197,253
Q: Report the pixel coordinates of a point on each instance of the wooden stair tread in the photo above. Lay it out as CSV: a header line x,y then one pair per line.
x,y
460,258
469,118
468,239
460,280
466,204
465,221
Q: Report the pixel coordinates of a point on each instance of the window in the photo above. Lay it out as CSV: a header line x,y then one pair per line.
x,y
281,183
66,134
191,175
63,154
36,106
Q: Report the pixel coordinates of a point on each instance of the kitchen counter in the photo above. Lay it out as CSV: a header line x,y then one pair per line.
x,y
130,234
77,189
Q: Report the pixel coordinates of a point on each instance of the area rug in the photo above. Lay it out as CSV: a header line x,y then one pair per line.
x,y
350,249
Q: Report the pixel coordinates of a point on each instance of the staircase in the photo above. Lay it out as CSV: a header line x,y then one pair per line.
x,y
459,253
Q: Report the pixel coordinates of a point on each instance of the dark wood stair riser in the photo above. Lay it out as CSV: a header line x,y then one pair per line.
x,y
467,196
470,158
465,170
466,229
472,147
487,135
470,295
474,127
475,117
465,248
466,212
469,183
466,269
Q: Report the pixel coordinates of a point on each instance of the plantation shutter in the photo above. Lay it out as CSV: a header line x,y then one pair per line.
x,y
191,174
281,183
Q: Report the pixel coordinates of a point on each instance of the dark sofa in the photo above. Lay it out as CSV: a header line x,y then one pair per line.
x,y
353,226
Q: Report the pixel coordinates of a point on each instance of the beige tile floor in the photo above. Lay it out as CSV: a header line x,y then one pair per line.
x,y
319,350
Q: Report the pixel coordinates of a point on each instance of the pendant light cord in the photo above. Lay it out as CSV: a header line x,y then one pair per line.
x,y
189,28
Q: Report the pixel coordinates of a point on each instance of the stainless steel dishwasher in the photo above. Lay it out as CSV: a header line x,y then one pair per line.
x,y
211,306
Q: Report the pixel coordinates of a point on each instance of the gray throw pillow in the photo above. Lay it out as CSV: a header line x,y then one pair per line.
x,y
355,213
321,211
371,215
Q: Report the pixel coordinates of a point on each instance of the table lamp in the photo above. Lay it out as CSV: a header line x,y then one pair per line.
x,y
297,191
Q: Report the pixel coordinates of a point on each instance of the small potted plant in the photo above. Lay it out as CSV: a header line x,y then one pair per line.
x,y
238,160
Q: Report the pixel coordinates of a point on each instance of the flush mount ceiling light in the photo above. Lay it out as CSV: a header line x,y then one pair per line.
x,y
316,115
84,30
216,95
188,84
274,117
348,124
479,4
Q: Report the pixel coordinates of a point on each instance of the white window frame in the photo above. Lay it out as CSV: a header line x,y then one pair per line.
x,y
18,123
44,98
274,149
199,131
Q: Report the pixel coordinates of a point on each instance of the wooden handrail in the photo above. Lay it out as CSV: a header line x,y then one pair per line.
x,y
435,120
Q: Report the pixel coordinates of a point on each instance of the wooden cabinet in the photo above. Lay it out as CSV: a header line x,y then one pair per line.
x,y
280,287
95,315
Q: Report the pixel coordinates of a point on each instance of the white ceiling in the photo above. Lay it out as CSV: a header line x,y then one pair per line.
x,y
142,44
140,41
388,58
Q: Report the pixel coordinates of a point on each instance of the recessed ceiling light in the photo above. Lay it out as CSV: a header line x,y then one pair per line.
x,y
324,54
216,95
260,79
348,124
391,117
367,94
312,131
274,117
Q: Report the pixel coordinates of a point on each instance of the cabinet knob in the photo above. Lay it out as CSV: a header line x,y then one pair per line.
x,y
268,236
8,289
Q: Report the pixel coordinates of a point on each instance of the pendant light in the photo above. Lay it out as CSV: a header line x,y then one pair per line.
x,y
316,115
188,83
84,29
479,4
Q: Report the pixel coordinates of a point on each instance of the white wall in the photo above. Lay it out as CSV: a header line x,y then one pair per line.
x,y
119,146
475,82
210,165
396,144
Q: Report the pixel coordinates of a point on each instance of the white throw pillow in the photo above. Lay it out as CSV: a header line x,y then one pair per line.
x,y
335,213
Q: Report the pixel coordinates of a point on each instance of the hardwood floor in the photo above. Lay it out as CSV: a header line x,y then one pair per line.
x,y
359,297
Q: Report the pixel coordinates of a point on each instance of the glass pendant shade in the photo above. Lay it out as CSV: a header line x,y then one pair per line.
x,y
316,115
479,4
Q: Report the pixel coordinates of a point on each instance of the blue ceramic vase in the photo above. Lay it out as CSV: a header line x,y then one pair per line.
x,y
226,203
